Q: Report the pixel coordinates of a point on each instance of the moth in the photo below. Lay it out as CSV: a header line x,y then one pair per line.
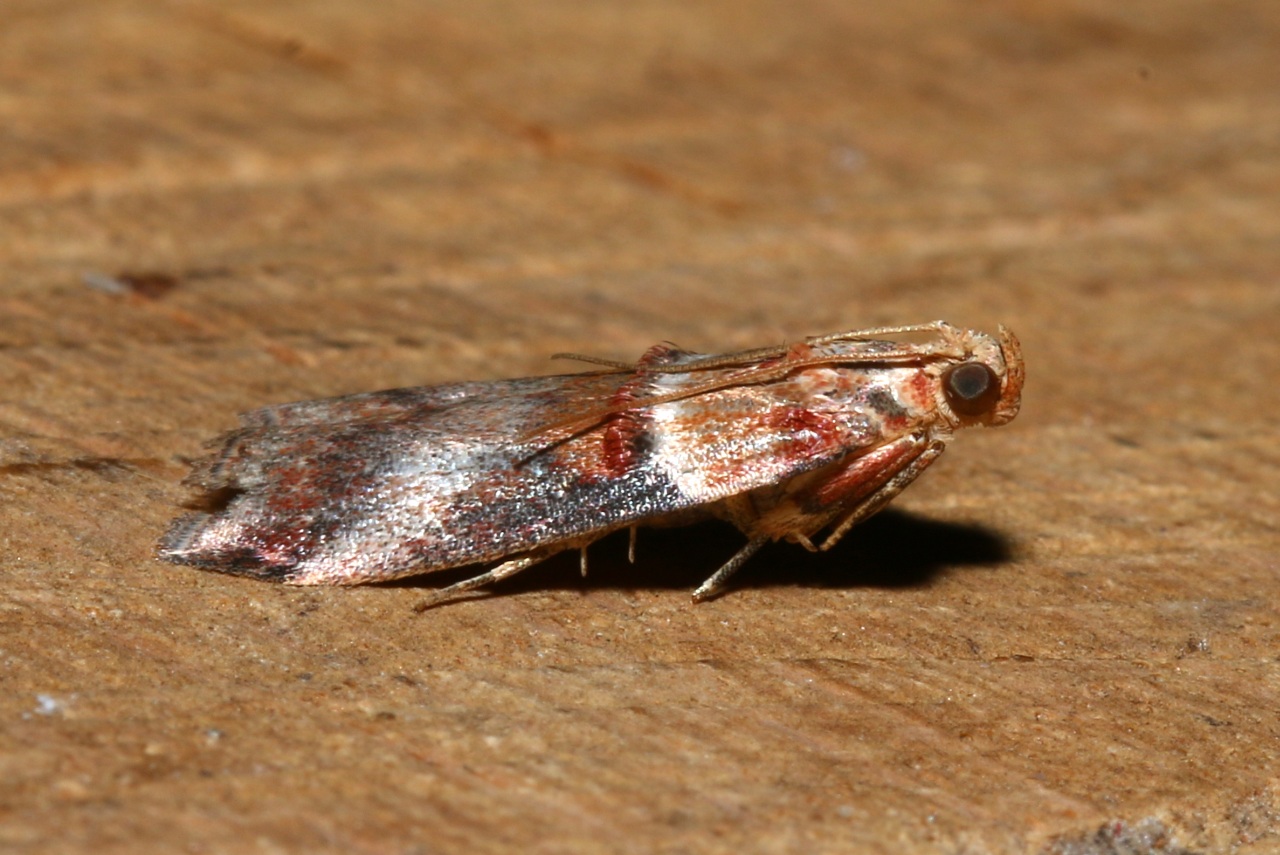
x,y
797,442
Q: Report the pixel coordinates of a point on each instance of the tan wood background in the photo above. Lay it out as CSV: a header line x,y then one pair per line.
x,y
1064,640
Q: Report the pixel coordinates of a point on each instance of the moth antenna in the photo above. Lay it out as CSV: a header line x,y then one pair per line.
x,y
720,360
614,364
864,335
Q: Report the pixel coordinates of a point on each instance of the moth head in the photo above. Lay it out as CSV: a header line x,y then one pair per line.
x,y
985,387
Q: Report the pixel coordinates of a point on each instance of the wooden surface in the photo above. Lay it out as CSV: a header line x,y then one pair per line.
x,y
1064,640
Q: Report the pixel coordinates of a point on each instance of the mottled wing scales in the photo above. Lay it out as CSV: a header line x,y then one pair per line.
x,y
418,400
402,483
301,495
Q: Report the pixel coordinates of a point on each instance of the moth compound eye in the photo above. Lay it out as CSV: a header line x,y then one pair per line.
x,y
972,389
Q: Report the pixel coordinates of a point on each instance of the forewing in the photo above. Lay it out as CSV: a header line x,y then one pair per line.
x,y
374,485
421,400
384,485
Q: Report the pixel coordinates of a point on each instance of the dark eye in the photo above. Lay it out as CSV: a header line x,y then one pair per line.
x,y
971,389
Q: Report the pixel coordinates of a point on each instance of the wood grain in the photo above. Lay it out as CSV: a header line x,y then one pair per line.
x,y
1063,640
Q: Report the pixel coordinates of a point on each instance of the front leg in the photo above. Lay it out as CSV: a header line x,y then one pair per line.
x,y
845,495
863,508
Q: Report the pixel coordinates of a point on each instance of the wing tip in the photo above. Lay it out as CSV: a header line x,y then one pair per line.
x,y
188,542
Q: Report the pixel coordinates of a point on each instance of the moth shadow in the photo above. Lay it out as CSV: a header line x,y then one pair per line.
x,y
894,549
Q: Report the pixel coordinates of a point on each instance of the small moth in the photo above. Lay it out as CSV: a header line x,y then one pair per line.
x,y
785,442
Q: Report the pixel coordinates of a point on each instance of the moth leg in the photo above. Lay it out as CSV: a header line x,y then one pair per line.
x,y
715,584
804,541
497,574
876,501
